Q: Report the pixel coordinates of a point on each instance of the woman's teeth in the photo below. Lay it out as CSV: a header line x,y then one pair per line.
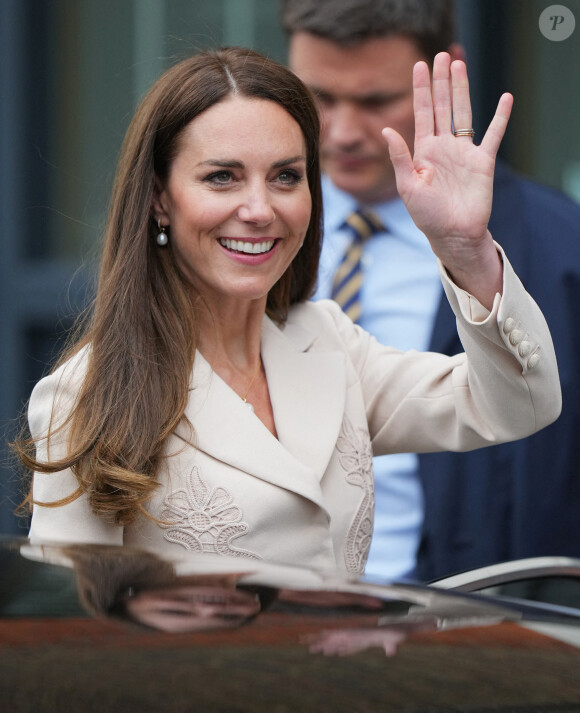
x,y
241,246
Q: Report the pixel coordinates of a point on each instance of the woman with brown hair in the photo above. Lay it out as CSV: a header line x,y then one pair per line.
x,y
208,406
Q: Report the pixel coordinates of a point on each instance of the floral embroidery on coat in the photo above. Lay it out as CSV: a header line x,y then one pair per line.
x,y
204,519
356,458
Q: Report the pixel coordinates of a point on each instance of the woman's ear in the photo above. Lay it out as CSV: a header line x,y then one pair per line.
x,y
159,204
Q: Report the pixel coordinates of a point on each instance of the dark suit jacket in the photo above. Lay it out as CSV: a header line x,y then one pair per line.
x,y
520,499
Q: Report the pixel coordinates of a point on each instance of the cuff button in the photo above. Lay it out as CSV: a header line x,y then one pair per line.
x,y
525,349
516,336
508,325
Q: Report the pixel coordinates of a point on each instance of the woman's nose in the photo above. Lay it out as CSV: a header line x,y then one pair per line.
x,y
257,207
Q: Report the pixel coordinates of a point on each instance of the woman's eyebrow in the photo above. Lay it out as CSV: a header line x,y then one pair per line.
x,y
222,163
225,163
288,161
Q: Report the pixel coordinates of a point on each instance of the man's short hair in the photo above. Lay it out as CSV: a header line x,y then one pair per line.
x,y
431,23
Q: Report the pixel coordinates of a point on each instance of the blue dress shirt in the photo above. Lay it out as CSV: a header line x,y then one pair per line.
x,y
400,295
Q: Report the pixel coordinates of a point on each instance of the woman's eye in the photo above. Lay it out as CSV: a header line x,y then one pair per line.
x,y
219,177
289,177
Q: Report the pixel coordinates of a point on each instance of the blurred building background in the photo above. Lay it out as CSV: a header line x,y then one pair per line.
x,y
71,74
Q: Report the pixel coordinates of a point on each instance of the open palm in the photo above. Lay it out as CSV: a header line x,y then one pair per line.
x,y
447,185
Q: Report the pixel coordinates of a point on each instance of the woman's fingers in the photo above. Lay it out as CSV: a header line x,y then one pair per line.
x,y
496,130
422,102
400,158
445,103
441,93
461,101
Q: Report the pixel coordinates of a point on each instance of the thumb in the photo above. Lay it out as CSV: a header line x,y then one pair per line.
x,y
400,156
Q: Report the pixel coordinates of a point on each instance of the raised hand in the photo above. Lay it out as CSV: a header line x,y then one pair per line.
x,y
447,184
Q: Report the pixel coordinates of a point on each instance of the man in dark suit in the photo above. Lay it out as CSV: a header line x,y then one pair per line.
x,y
520,499
439,513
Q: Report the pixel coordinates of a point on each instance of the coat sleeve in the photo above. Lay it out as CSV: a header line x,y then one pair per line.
x,y
505,386
50,402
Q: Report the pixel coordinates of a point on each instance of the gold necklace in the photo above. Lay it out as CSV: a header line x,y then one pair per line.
x,y
245,396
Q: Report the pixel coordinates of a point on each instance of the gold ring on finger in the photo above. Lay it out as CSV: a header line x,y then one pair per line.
x,y
464,132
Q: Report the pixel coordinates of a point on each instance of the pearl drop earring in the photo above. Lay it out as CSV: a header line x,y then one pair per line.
x,y
162,238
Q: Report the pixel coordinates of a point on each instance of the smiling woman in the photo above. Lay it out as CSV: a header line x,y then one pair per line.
x,y
142,435
238,203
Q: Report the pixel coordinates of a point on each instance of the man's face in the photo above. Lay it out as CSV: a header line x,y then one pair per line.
x,y
361,89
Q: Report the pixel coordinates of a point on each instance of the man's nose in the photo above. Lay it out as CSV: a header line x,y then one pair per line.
x,y
342,124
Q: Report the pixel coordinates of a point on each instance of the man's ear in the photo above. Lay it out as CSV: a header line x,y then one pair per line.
x,y
158,204
456,51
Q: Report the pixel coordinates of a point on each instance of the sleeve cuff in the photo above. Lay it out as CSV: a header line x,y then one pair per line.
x,y
471,309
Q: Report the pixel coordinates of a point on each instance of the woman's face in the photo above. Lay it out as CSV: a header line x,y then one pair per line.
x,y
188,608
237,200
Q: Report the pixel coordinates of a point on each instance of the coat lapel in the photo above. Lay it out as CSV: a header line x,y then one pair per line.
x,y
444,337
307,389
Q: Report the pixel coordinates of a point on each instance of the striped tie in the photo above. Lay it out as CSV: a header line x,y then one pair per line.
x,y
347,281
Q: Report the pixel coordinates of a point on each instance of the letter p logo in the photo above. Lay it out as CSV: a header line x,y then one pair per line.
x,y
557,23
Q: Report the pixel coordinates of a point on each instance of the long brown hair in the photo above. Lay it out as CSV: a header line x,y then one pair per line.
x,y
140,338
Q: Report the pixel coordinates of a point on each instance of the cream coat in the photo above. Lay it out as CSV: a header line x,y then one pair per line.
x,y
306,498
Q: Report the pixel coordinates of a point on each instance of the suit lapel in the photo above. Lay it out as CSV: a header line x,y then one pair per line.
x,y
505,224
444,338
307,390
